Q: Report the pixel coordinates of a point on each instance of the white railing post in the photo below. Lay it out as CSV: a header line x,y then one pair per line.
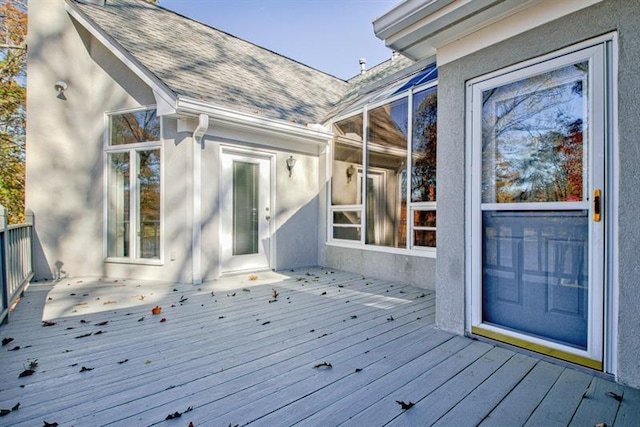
x,y
30,219
4,285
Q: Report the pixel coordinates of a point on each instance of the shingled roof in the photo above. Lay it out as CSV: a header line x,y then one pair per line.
x,y
200,62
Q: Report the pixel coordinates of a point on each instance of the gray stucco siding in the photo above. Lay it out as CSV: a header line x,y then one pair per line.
x,y
611,15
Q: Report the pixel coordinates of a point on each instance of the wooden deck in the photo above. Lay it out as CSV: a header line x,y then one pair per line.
x,y
230,353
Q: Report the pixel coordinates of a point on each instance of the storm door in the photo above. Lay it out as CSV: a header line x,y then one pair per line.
x,y
245,212
537,206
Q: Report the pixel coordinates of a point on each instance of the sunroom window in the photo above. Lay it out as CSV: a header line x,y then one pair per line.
x,y
133,155
383,186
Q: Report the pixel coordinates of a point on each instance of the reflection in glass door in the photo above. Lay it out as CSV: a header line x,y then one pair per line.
x,y
539,143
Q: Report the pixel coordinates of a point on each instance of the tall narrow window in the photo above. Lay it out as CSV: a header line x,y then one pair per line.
x,y
386,174
133,182
346,195
423,168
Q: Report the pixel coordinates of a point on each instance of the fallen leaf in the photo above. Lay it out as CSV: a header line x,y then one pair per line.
x,y
404,405
85,369
102,323
16,407
246,290
616,396
156,310
183,299
266,323
123,361
16,348
147,362
390,318
141,297
253,277
33,364
324,293
141,319
326,365
174,415
99,333
46,424
4,412
275,293
191,424
48,323
220,317
84,335
6,341
109,302
164,319
84,321
358,369
354,317
26,373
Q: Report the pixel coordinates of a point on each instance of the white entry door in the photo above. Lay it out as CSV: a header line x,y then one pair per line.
x,y
245,232
538,213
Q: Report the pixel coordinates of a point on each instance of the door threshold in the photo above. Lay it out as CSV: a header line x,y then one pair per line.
x,y
541,350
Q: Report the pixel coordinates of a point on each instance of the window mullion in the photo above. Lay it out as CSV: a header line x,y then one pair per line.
x,y
409,173
133,205
365,167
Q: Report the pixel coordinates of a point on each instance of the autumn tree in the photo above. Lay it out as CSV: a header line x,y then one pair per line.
x,y
13,49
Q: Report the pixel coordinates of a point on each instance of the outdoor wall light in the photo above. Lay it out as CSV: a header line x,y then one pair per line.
x,y
60,86
350,171
291,162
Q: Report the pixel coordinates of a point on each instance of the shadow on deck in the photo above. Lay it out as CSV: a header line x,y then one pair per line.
x,y
310,347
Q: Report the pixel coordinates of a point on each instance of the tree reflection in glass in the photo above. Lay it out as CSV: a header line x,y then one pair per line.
x,y
534,137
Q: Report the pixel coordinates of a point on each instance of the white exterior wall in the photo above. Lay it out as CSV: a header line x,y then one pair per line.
x,y
65,166
65,139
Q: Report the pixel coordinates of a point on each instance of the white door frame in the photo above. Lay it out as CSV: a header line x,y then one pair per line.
x,y
226,265
606,300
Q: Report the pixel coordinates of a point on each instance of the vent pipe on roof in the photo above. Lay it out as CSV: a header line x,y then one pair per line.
x,y
363,65
394,55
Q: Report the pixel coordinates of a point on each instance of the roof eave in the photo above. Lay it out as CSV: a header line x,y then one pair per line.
x,y
417,28
318,134
165,97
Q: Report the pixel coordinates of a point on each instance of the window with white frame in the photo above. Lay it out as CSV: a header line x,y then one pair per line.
x,y
133,154
383,186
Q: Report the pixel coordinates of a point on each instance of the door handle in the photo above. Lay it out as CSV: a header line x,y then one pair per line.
x,y
597,214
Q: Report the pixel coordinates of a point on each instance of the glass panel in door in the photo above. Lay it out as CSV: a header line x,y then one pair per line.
x,y
246,187
540,161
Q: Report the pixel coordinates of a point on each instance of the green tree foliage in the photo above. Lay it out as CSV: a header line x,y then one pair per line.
x,y
13,49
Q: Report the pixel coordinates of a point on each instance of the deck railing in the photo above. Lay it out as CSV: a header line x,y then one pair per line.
x,y
16,260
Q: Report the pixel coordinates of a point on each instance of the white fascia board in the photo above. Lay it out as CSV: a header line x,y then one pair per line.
x,y
405,14
317,133
165,98
536,13
450,23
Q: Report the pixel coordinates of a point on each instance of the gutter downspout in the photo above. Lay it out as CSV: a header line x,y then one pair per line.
x,y
198,146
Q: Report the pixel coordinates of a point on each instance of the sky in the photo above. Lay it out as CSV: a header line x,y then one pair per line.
x,y
329,35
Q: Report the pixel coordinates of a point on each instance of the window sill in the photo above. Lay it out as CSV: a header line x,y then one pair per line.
x,y
422,252
154,262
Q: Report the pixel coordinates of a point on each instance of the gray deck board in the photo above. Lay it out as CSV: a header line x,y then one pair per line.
x,y
560,404
598,405
238,357
517,406
629,412
474,407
